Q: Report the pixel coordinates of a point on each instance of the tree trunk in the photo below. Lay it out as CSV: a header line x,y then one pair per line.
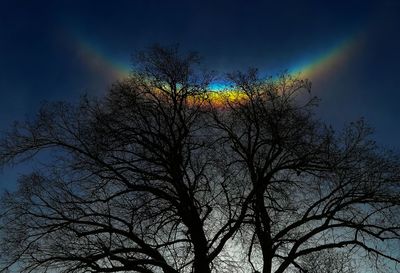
x,y
192,220
199,240
267,258
263,231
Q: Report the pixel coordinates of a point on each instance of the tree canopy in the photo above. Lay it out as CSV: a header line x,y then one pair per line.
x,y
163,174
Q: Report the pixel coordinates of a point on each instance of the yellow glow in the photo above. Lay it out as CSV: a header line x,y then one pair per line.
x,y
219,98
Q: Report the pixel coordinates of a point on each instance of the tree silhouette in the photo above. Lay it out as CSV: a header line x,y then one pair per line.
x,y
314,190
158,176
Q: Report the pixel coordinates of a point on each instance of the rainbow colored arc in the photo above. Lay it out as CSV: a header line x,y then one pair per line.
x,y
318,66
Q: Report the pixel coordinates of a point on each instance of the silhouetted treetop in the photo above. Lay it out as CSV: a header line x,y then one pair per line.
x,y
163,174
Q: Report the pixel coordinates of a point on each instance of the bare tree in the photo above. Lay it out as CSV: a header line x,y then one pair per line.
x,y
315,190
157,177
129,186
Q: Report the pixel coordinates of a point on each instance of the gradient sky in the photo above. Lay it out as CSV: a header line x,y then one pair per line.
x,y
59,50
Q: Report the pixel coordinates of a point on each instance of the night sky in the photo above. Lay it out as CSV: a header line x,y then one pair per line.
x,y
60,50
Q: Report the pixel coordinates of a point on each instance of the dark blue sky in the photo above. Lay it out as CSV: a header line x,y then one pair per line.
x,y
59,50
